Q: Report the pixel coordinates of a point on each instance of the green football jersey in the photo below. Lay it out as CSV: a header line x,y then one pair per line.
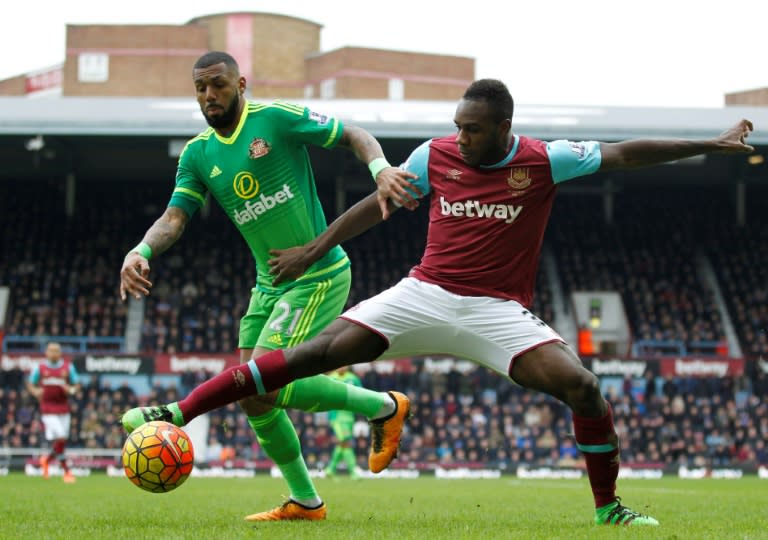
x,y
262,178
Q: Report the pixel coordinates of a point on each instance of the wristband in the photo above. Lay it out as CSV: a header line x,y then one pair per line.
x,y
378,165
143,249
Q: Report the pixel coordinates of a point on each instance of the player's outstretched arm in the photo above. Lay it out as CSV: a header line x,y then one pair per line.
x,y
392,183
646,152
288,264
161,235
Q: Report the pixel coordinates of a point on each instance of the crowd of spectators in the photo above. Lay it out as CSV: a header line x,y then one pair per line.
x,y
471,417
741,262
62,272
649,255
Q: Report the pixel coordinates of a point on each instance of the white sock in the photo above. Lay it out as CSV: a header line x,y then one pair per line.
x,y
312,502
388,408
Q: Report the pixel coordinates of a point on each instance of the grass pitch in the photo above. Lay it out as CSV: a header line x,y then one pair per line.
x,y
207,508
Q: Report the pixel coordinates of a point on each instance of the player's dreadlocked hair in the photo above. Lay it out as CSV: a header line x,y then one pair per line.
x,y
216,57
496,94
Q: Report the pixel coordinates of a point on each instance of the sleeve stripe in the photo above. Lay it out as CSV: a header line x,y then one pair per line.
x,y
298,108
298,112
187,191
332,136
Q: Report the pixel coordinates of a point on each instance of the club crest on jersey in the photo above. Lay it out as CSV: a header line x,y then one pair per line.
x,y
519,178
259,147
452,174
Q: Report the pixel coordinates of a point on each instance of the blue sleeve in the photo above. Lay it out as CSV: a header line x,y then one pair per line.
x,y
34,375
417,164
74,378
571,159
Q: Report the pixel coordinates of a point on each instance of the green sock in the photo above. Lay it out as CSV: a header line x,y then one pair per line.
x,y
335,458
278,438
321,393
349,459
178,418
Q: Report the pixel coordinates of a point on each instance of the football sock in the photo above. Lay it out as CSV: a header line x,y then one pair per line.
x,y
270,372
58,448
278,438
232,384
335,458
322,393
349,459
597,439
58,453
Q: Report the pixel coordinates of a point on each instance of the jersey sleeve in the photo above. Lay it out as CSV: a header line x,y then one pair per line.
x,y
34,375
417,164
304,126
189,193
74,376
572,159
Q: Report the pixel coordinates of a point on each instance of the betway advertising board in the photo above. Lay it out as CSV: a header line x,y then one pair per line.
x,y
689,366
175,364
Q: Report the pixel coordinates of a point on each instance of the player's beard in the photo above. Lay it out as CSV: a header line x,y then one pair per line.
x,y
227,118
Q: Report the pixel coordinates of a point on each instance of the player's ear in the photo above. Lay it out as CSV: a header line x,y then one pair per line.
x,y
505,126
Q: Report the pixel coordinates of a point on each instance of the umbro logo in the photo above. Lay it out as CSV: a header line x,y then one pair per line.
x,y
215,171
452,174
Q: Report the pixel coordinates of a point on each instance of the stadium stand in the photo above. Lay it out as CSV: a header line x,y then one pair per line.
x,y
63,277
649,255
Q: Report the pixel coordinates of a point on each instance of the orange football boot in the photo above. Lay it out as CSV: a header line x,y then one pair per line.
x,y
290,510
386,432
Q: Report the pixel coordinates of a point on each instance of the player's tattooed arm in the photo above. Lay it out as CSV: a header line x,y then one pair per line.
x,y
166,230
134,275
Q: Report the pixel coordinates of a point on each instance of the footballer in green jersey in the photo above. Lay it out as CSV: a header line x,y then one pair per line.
x,y
262,178
253,160
342,423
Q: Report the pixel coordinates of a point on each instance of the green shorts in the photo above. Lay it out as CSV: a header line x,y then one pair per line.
x,y
281,321
342,430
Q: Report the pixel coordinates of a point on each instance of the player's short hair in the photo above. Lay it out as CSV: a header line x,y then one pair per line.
x,y
495,93
212,58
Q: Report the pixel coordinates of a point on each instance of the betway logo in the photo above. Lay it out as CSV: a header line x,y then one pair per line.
x,y
194,363
254,208
25,363
507,212
53,381
699,367
112,364
618,367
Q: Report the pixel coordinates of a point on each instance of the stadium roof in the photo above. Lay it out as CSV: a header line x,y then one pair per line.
x,y
180,117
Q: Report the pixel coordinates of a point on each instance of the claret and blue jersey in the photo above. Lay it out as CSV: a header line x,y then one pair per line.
x,y
486,224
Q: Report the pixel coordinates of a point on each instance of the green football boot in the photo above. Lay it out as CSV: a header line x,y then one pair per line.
x,y
617,514
141,415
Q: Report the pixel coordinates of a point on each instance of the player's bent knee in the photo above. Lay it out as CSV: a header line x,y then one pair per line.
x,y
258,405
583,390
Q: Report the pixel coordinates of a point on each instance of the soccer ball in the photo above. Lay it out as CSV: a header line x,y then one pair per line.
x,y
158,457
